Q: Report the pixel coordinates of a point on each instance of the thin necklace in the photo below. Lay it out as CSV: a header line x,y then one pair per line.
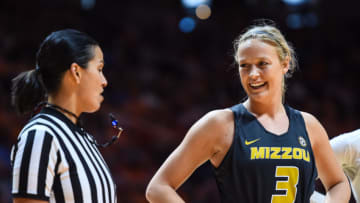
x,y
54,106
114,123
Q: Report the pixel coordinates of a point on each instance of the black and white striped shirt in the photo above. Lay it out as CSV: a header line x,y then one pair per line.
x,y
54,160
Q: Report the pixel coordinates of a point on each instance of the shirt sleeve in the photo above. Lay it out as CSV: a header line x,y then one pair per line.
x,y
346,153
34,161
347,150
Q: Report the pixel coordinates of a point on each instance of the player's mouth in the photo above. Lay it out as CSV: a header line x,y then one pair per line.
x,y
257,85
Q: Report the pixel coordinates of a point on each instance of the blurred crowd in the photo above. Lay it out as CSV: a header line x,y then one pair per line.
x,y
162,80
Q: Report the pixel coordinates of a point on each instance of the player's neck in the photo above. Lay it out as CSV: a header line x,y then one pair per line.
x,y
260,108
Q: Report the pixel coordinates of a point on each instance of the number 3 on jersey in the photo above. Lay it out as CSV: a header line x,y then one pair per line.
x,y
289,185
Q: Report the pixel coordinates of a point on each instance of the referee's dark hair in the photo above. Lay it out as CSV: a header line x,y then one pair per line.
x,y
56,54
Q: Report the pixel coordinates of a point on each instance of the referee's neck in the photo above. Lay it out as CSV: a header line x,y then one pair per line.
x,y
67,107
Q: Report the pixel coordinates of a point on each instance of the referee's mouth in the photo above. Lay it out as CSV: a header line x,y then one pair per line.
x,y
102,94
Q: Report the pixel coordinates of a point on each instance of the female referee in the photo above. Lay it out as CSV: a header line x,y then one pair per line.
x,y
54,159
262,150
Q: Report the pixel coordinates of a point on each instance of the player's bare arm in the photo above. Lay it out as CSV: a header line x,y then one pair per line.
x,y
329,171
204,141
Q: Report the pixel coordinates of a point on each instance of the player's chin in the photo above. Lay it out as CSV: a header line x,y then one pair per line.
x,y
259,96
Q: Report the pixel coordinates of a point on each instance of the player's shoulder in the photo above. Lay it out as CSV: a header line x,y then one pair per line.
x,y
217,128
347,147
315,130
354,133
308,117
215,123
348,138
310,120
219,116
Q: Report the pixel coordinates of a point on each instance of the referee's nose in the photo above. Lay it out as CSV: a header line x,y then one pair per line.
x,y
104,82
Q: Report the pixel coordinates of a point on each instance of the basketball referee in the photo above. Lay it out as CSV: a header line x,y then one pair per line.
x,y
54,159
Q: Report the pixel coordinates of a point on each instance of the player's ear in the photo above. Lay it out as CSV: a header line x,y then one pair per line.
x,y
285,64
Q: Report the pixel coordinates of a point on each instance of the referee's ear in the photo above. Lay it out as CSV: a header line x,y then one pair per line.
x,y
75,72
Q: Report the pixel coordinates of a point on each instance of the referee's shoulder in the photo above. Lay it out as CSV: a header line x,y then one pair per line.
x,y
38,126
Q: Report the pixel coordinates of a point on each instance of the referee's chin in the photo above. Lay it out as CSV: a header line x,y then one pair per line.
x,y
93,108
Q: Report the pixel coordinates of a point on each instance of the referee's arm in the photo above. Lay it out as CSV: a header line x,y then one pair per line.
x,y
33,166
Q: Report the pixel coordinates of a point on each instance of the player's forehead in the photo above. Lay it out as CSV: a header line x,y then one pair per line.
x,y
255,49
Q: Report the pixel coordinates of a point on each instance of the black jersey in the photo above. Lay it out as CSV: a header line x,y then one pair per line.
x,y
261,167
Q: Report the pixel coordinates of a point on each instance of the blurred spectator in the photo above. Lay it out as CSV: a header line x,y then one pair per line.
x,y
161,80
